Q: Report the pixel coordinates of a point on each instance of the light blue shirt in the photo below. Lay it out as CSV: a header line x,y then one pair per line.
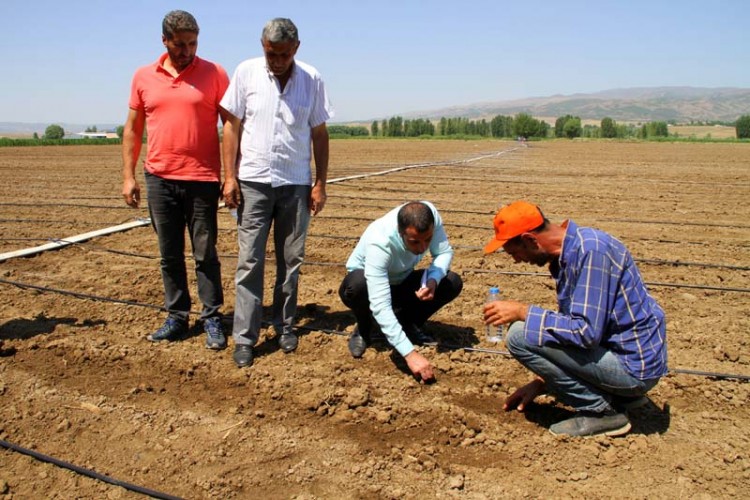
x,y
386,261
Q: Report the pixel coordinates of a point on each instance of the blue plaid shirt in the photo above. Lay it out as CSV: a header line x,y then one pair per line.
x,y
603,302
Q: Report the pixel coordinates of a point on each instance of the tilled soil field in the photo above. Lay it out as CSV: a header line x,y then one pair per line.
x,y
79,381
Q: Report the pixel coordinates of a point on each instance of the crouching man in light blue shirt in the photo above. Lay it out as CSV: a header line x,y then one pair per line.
x,y
382,284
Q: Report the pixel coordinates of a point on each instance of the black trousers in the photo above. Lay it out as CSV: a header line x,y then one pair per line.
x,y
409,310
174,205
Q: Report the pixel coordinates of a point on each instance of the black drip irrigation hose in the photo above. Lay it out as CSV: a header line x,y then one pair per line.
x,y
455,347
324,330
681,223
648,283
697,264
79,295
709,374
87,472
355,238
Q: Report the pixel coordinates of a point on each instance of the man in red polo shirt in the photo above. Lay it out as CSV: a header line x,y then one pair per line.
x,y
177,100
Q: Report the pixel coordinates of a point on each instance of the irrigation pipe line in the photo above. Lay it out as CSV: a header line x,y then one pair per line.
x,y
709,374
649,283
709,224
80,295
698,287
86,472
160,308
369,219
354,238
595,219
146,221
698,264
326,330
422,165
507,354
81,237
337,264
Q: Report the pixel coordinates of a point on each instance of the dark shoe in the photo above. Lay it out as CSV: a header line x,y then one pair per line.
x,y
357,344
215,337
418,336
288,342
170,330
243,355
586,423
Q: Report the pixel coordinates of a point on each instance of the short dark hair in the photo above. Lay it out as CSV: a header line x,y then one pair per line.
x,y
417,215
280,30
177,21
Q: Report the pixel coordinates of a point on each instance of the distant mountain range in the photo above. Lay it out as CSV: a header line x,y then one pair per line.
x,y
682,104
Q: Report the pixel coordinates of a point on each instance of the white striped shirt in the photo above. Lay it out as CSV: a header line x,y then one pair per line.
x,y
275,145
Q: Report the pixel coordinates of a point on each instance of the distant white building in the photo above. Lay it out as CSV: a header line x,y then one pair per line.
x,y
98,135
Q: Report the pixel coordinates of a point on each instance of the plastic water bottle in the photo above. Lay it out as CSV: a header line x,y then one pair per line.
x,y
494,333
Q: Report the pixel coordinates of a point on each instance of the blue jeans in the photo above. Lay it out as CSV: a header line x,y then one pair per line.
x,y
287,209
585,379
173,205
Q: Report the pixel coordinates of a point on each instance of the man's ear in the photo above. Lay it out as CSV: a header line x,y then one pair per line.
x,y
529,240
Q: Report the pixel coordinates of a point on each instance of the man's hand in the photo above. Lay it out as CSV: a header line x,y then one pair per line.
x,y
131,191
427,292
420,367
318,198
231,193
501,312
524,395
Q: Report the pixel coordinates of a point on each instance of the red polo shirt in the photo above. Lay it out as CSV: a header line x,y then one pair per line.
x,y
181,118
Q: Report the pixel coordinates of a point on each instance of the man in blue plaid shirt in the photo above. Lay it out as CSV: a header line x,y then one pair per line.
x,y
605,347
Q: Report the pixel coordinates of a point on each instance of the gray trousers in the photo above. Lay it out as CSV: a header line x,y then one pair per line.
x,y
287,208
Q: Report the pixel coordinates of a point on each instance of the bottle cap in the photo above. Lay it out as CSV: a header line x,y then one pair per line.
x,y
494,289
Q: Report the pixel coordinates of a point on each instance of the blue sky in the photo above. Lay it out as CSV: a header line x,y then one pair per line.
x,y
72,61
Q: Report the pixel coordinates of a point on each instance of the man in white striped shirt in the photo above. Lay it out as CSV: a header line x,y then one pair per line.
x,y
278,108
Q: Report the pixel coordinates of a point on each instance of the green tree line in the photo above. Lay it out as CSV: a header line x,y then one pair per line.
x,y
501,126
521,125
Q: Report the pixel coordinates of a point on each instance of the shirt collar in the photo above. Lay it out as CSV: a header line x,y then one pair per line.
x,y
570,231
271,75
163,57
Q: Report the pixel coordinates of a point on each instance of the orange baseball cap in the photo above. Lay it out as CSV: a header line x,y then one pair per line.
x,y
513,220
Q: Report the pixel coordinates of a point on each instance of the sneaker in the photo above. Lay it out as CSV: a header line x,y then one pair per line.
x,y
243,355
215,337
357,344
418,336
586,423
288,342
170,330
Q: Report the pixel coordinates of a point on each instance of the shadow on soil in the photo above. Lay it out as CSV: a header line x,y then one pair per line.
x,y
22,329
